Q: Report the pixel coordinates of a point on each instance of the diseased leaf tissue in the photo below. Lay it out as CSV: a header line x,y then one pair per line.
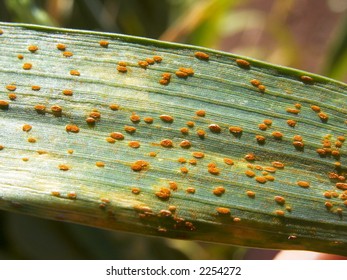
x,y
171,140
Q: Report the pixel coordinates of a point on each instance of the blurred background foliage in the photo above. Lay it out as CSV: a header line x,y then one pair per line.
x,y
306,34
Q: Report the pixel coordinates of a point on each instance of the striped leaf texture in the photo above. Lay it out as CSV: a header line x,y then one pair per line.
x,y
170,140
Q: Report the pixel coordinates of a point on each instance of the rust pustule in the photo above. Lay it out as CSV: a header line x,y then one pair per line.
x,y
201,55
140,165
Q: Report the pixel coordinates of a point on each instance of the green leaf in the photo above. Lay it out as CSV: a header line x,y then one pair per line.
x,y
285,189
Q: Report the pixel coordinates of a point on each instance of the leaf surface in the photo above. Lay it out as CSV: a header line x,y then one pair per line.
x,y
227,149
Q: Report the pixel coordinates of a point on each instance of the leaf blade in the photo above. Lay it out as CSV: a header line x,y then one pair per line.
x,y
50,177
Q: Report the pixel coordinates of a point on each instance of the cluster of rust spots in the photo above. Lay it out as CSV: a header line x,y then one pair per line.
x,y
184,170
152,154
190,190
184,130
143,64
268,122
218,191
27,66
201,133
202,55
280,199
307,79
277,135
182,160
223,211
33,48
315,108
298,142
140,165
67,54
167,118
150,60
250,157
236,131
294,111
103,43
190,124
135,118
250,194
279,213
114,107
200,113
55,193
260,139
291,123
4,105
122,67
341,186
40,109
265,176
215,128
130,129
71,195
303,184
157,58
135,190
148,120
12,96
68,92
243,63
56,110
228,161
323,116
27,127
75,73
183,72
163,193
93,117
256,83
185,144
213,169
261,179
61,47
250,173
117,135
32,140
262,126
104,202
100,164
165,79
63,167
198,155
134,144
327,148
166,143
278,164
173,185
11,87
253,171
